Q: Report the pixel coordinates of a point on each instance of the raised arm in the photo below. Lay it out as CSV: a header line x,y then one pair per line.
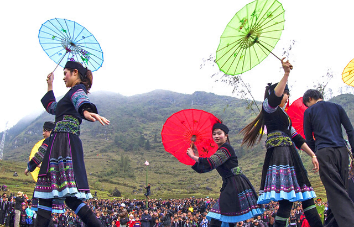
x,y
279,89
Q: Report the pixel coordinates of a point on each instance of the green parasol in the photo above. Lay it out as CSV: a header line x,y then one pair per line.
x,y
250,36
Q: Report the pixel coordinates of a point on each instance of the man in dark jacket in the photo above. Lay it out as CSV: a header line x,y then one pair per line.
x,y
18,205
3,207
145,219
323,123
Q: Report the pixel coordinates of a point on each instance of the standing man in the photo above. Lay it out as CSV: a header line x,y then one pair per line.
x,y
323,123
18,206
3,208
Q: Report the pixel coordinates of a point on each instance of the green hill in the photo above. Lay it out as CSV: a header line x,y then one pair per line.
x,y
115,154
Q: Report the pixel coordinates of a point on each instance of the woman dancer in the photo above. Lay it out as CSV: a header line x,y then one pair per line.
x,y
62,176
238,199
284,178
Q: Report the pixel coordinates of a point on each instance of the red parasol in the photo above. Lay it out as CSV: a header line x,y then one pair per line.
x,y
188,128
296,113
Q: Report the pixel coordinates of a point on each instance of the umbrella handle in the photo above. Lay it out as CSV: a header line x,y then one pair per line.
x,y
60,61
271,52
194,148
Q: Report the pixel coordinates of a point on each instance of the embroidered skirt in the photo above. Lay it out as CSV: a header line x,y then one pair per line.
x,y
63,172
237,201
284,177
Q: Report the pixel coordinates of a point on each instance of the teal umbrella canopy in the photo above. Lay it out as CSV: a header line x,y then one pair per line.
x,y
65,40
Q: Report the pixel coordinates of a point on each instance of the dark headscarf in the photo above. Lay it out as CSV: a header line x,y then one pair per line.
x,y
270,87
222,127
76,65
48,125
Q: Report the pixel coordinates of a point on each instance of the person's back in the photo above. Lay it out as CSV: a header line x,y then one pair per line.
x,y
325,120
323,123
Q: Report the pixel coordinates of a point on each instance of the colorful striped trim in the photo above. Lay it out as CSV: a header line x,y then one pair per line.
x,y
267,107
309,208
79,208
219,157
51,107
78,98
235,218
280,218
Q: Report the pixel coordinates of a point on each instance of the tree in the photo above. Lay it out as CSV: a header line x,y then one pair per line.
x,y
141,141
147,145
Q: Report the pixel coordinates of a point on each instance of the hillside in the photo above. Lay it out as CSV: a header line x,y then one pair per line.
x,y
115,154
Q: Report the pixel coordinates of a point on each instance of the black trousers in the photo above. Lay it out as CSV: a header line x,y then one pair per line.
x,y
334,175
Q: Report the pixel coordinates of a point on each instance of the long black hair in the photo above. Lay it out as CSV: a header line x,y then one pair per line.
x,y
253,132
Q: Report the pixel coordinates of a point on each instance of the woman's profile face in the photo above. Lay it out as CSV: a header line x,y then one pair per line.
x,y
219,137
70,78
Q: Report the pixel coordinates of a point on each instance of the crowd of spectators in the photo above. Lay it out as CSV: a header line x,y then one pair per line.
x,y
188,212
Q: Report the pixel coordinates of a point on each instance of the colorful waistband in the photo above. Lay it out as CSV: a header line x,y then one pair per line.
x,y
68,124
278,139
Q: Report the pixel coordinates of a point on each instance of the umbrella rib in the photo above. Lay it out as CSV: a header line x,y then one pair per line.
x,y
83,47
96,57
66,34
264,5
67,27
238,62
238,48
53,47
80,32
264,22
40,37
90,62
59,34
261,21
63,35
84,38
203,125
256,22
253,17
244,59
55,53
74,30
256,53
279,30
268,37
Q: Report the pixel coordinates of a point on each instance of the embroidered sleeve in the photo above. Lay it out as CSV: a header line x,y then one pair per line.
x,y
297,138
271,103
49,102
214,161
38,157
81,102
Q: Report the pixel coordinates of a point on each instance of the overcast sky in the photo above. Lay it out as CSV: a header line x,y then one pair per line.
x,y
152,45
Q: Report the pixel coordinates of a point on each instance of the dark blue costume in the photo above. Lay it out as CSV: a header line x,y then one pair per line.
x,y
63,172
238,199
284,176
325,121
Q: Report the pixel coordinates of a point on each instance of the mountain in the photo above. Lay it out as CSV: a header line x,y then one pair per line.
x,y
115,154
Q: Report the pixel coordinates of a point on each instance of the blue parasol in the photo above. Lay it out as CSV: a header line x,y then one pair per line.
x,y
67,40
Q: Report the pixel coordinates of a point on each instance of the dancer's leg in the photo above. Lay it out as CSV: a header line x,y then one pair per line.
x,y
83,211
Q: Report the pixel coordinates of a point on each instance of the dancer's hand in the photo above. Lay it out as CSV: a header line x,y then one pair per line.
x,y
190,152
286,65
26,172
315,164
93,117
50,79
